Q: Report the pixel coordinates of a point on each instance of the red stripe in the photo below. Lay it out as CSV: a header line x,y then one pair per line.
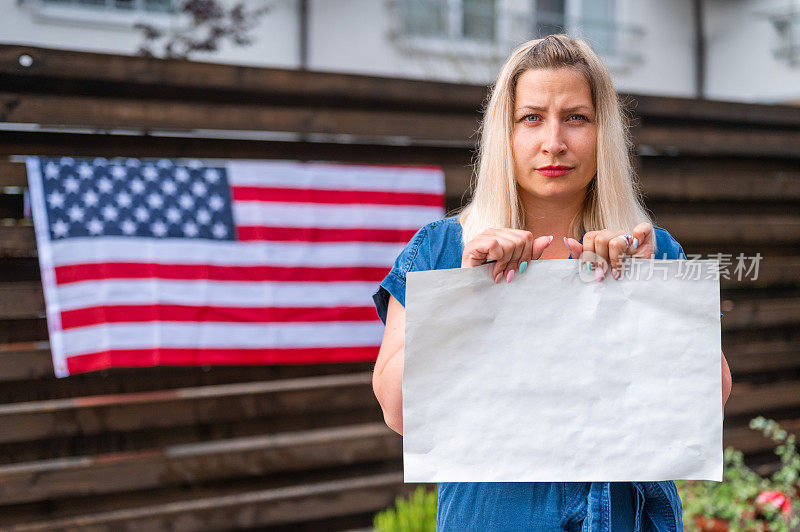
x,y
147,270
222,357
315,195
83,317
317,234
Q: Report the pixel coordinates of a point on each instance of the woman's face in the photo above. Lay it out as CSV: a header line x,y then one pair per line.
x,y
554,125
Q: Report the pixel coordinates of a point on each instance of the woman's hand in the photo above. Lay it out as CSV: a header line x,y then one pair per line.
x,y
605,248
509,247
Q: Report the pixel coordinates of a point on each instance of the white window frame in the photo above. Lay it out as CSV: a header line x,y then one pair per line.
x,y
454,26
97,16
573,17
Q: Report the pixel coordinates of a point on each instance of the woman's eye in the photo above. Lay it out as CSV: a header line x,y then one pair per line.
x,y
581,117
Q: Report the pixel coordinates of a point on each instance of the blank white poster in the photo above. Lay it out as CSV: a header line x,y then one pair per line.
x,y
551,378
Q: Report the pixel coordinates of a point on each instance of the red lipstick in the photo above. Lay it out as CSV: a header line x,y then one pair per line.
x,y
553,170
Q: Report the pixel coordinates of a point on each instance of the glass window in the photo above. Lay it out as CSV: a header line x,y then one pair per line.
x,y
426,18
550,17
453,19
598,24
163,6
479,19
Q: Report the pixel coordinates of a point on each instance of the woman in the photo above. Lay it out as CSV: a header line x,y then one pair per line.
x,y
553,167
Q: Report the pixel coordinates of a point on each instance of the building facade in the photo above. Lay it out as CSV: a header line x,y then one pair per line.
x,y
738,50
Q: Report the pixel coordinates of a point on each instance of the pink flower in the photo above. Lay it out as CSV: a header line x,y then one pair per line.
x,y
776,499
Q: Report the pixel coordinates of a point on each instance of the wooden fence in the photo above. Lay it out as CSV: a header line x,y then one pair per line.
x,y
305,447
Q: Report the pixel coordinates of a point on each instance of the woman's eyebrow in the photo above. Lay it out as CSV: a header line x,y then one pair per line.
x,y
566,110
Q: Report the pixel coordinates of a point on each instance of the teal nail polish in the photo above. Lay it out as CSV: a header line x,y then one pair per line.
x,y
522,266
635,243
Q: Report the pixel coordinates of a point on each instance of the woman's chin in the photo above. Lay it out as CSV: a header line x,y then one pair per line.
x,y
556,190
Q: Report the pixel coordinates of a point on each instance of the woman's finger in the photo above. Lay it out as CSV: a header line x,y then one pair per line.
x,y
502,254
539,245
617,247
476,251
601,250
575,247
642,244
516,253
589,250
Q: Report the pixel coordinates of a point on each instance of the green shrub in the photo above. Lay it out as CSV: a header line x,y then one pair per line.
x,y
417,514
735,498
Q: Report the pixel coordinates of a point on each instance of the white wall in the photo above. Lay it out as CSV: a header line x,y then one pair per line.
x,y
667,48
354,36
93,30
740,62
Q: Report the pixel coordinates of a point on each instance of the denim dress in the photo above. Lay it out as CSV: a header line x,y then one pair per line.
x,y
532,506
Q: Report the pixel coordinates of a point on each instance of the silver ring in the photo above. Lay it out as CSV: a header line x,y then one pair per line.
x,y
628,239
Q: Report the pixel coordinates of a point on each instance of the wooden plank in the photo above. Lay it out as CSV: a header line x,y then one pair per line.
x,y
666,183
685,109
111,112
760,357
707,139
23,330
245,508
755,399
741,229
754,313
233,80
772,271
158,438
144,379
169,408
26,364
236,145
15,269
21,300
12,174
196,462
174,77
17,240
11,205
751,441
719,178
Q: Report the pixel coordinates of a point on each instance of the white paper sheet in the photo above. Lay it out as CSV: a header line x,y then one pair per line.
x,y
552,378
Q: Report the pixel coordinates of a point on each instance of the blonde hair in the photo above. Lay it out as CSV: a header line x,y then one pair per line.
x,y
613,198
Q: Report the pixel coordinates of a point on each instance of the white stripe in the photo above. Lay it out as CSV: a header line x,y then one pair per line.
x,y
335,176
214,293
46,260
276,214
221,335
91,250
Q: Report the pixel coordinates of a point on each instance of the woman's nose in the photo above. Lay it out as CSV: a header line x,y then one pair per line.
x,y
554,140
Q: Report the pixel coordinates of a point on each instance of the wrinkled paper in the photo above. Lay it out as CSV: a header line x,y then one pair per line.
x,y
554,378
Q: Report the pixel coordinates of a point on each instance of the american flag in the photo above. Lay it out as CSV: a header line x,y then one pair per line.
x,y
188,262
